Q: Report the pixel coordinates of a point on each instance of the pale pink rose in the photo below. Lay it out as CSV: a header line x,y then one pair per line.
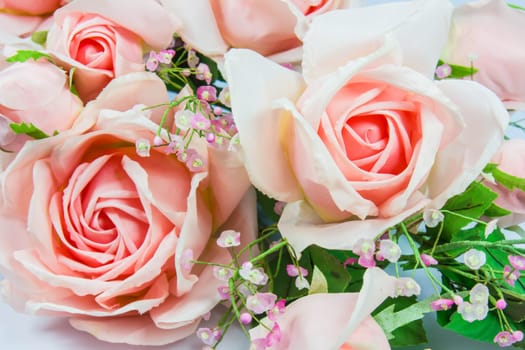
x,y
30,7
94,232
104,40
37,93
488,34
334,321
365,137
511,159
267,27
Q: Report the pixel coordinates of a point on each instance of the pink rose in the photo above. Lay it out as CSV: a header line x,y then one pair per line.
x,y
335,321
37,93
511,159
104,40
476,38
364,138
30,7
267,27
106,237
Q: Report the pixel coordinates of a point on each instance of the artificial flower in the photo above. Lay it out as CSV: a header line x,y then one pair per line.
x,y
364,137
100,234
103,40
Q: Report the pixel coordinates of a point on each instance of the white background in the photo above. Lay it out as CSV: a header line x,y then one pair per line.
x,y
21,332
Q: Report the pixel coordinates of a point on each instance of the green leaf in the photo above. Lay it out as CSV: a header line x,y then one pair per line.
x,y
24,55
495,211
484,330
401,320
72,87
29,130
517,7
459,71
472,203
506,180
39,37
337,277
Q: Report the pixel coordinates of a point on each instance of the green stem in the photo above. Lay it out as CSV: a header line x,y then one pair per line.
x,y
430,276
468,244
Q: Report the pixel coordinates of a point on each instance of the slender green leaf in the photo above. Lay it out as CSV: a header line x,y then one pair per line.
x,y
508,181
24,55
29,130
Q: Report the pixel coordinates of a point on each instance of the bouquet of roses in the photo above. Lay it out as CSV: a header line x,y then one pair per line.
x,y
293,161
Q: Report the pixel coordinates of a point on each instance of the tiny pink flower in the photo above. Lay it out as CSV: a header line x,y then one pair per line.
x,y
473,312
152,63
510,275
504,339
245,318
193,59
183,119
428,260
517,262
479,294
278,207
253,275
388,250
407,287
229,238
274,336
142,147
260,302
217,111
157,141
200,122
210,137
457,300
224,292
186,260
195,161
364,247
207,93
277,310
302,283
432,217
208,336
222,273
349,261
165,56
203,73
474,259
443,71
518,335
501,304
293,271
366,261
441,304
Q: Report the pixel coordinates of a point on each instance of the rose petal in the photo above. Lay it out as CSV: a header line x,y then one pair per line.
x,y
458,164
257,122
365,29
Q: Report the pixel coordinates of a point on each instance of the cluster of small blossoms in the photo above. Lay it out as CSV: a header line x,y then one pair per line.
x,y
512,272
366,250
159,59
200,117
244,293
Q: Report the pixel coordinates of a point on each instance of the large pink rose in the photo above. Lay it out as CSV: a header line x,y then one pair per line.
x,y
95,232
364,137
511,159
335,321
30,7
488,35
37,93
267,27
104,40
